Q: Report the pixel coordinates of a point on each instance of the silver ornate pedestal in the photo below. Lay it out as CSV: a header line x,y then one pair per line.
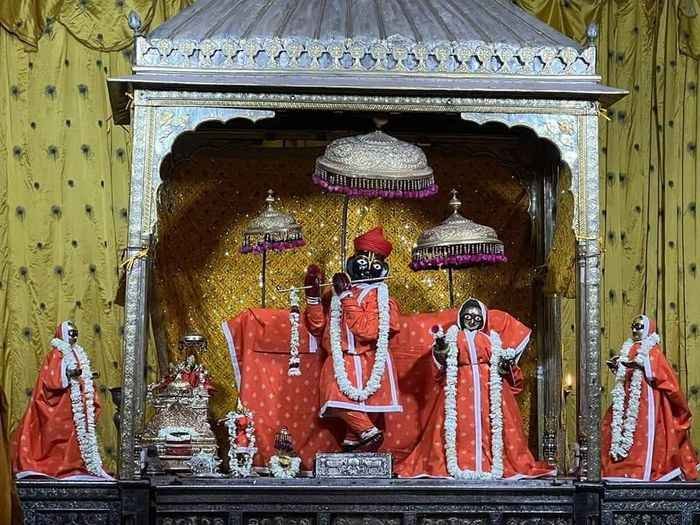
x,y
353,465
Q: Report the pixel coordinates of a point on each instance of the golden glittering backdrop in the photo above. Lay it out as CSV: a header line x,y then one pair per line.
x,y
207,200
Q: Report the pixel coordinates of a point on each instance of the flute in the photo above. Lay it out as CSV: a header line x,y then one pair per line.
x,y
322,285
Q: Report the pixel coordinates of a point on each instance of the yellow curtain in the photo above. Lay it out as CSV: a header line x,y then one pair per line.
x,y
648,173
98,25
64,178
64,187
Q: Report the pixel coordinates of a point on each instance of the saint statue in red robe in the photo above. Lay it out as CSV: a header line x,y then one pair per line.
x,y
355,324
474,428
57,437
645,431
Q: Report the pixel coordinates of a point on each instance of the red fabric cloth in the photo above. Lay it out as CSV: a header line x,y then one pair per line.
x,y
373,241
359,328
259,340
356,422
662,449
46,441
259,344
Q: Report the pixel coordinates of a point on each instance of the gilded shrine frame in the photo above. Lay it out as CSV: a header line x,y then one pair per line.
x,y
159,117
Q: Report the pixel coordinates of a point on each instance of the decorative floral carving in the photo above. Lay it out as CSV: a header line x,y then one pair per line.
x,y
348,465
647,518
390,56
280,519
366,519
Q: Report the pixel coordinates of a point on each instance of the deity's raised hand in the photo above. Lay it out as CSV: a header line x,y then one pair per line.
x,y
341,283
313,279
613,363
439,344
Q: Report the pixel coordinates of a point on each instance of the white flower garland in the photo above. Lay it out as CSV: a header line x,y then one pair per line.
x,y
495,412
240,458
380,359
83,404
294,367
278,471
624,419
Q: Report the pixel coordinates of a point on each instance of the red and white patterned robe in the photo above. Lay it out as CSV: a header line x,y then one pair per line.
x,y
359,326
45,442
473,408
662,450
258,342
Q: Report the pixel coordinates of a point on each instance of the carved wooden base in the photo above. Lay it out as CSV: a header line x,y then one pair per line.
x,y
66,502
266,501
650,504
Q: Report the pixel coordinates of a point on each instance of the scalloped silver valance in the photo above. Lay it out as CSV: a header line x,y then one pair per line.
x,y
391,56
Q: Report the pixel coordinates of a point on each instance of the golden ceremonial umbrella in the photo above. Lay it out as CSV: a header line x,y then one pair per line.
x,y
373,165
272,230
455,243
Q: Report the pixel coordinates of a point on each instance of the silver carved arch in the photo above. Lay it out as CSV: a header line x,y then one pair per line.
x,y
155,131
561,130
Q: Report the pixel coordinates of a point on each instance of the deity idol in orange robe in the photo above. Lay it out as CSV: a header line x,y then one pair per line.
x,y
56,437
645,431
358,380
474,429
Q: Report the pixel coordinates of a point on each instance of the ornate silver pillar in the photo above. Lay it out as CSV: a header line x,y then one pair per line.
x,y
135,306
158,119
588,301
550,433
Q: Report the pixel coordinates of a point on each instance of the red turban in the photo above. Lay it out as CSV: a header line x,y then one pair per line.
x,y
373,241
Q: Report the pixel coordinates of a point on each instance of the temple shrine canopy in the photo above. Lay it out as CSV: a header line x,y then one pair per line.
x,y
477,61
463,47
